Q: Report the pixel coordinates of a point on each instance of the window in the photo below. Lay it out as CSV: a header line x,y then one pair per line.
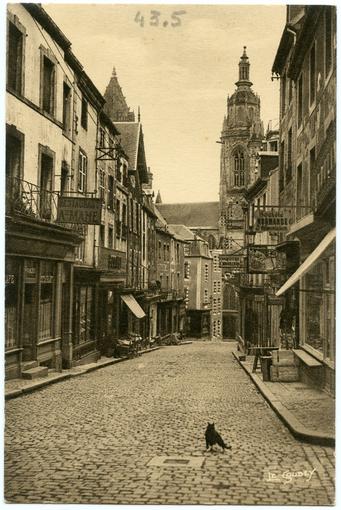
x,y
82,171
300,101
281,167
206,272
111,192
110,237
14,153
239,169
160,250
273,146
101,184
15,59
46,180
328,40
229,298
312,75
102,235
283,94
289,168
66,108
300,192
64,178
290,92
319,306
48,86
101,137
84,114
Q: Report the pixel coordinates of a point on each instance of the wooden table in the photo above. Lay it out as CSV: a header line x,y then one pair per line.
x,y
261,351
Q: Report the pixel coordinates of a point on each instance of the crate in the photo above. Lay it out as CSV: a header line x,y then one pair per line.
x,y
284,374
283,358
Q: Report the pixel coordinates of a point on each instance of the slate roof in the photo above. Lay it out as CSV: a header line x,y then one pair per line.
x,y
184,232
193,214
130,135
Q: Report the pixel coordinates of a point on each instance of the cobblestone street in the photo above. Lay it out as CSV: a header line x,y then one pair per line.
x,y
92,439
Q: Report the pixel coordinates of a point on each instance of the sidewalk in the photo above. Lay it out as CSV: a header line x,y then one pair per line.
x,y
307,412
18,387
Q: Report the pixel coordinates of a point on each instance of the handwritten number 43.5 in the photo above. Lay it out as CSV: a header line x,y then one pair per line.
x,y
155,19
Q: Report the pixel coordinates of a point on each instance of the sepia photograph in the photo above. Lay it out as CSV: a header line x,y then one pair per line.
x,y
170,254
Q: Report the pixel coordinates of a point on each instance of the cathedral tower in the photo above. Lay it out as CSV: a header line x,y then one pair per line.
x,y
241,139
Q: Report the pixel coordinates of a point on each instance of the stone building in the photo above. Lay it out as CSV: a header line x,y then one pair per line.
x,y
241,140
40,252
305,62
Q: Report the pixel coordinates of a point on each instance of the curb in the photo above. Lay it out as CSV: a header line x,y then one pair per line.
x,y
287,417
68,375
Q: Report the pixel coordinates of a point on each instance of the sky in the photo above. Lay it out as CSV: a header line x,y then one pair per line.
x,y
179,76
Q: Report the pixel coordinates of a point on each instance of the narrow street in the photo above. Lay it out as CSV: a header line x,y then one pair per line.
x,y
98,438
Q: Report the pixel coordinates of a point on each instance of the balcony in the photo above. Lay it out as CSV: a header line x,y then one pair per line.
x,y
28,199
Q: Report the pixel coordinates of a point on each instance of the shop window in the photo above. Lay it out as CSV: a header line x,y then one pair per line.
x,y
48,85
82,171
84,113
66,108
15,62
318,289
11,304
83,315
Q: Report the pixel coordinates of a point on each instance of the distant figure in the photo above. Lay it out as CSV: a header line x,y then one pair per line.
x,y
212,437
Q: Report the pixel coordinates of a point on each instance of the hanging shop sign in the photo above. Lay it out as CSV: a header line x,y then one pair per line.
x,y
265,259
82,210
231,262
273,220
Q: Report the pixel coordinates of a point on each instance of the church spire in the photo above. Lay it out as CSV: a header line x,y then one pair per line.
x,y
244,70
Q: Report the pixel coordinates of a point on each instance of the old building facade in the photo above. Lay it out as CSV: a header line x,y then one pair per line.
x,y
306,65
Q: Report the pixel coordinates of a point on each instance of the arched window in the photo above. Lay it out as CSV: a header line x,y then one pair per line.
x,y
229,297
239,169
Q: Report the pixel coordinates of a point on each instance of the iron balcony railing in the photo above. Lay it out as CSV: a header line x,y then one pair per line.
x,y
28,199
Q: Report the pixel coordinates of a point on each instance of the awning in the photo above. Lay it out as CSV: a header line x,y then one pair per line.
x,y
133,305
309,262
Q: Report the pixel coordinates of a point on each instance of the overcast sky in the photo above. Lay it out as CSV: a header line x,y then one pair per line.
x,y
180,76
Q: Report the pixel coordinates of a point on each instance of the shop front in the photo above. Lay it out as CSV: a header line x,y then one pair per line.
x,y
315,279
39,270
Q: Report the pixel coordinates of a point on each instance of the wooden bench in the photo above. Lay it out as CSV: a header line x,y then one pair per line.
x,y
306,358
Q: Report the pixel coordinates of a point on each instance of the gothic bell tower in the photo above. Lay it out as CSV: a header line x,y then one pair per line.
x,y
241,139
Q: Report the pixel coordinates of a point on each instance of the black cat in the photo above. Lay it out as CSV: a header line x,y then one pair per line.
x,y
212,437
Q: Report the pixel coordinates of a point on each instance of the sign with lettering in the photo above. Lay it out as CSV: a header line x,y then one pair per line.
x,y
112,260
82,210
265,259
274,220
231,262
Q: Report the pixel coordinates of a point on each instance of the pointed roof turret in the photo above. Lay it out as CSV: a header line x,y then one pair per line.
x,y
158,198
115,103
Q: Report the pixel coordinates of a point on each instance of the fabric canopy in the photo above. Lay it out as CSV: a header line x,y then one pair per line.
x,y
309,262
133,305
